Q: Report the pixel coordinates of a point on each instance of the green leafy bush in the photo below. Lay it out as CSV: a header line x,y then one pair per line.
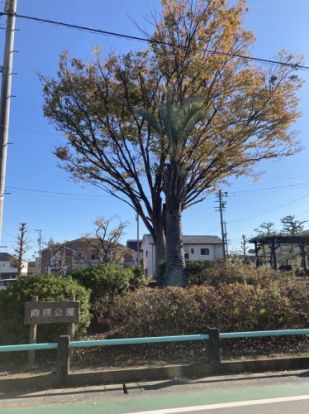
x,y
229,307
138,279
108,279
196,269
51,288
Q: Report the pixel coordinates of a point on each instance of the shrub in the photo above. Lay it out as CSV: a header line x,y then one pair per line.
x,y
138,279
51,288
217,273
108,279
195,269
298,293
229,307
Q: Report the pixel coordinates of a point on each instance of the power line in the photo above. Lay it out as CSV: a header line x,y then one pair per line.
x,y
291,186
32,190
154,41
60,193
269,210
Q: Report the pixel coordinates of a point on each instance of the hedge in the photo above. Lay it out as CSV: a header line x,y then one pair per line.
x,y
229,307
216,273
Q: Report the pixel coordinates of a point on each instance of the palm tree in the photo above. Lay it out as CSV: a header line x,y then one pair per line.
x,y
176,122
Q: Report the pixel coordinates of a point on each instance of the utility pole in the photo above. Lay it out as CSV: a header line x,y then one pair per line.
x,y
223,231
6,87
137,237
40,243
226,240
40,240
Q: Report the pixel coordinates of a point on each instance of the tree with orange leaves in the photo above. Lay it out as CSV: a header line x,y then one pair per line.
x,y
196,50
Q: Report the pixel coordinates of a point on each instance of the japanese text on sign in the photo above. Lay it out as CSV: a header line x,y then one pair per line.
x,y
51,312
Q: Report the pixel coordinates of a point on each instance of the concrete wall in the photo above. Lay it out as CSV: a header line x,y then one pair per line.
x,y
193,251
148,256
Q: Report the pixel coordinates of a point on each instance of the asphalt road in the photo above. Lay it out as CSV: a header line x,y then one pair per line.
x,y
288,408
277,393
299,406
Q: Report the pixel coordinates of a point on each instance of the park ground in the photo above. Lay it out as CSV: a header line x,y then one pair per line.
x,y
273,393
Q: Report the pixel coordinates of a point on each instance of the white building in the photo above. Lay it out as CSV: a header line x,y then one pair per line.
x,y
195,248
7,268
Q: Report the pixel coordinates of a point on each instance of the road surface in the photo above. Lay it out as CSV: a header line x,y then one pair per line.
x,y
277,393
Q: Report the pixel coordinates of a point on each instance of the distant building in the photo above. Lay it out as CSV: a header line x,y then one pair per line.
x,y
80,253
195,248
8,269
34,267
136,247
133,244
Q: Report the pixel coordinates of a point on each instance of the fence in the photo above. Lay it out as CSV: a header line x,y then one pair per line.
x,y
213,336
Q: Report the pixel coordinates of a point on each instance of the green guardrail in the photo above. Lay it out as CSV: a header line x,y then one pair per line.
x,y
29,347
135,341
260,334
153,339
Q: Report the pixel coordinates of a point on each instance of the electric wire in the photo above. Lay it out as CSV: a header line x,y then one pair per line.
x,y
154,41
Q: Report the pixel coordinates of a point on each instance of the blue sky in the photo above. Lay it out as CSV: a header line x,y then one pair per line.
x,y
32,169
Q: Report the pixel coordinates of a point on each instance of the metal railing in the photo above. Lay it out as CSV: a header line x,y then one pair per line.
x,y
152,340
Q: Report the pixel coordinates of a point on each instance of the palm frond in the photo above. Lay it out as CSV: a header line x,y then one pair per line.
x,y
150,119
176,121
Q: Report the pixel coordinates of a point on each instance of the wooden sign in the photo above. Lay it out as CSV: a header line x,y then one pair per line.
x,y
40,313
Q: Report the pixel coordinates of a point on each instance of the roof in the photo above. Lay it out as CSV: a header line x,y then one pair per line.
x,y
4,257
132,244
78,244
193,239
202,240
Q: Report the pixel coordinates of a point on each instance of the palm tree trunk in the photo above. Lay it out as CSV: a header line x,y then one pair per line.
x,y
175,259
160,250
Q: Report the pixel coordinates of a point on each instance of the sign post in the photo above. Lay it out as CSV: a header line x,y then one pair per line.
x,y
71,329
42,313
32,335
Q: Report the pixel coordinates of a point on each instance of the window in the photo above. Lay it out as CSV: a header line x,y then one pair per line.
x,y
94,256
204,252
146,253
192,250
187,256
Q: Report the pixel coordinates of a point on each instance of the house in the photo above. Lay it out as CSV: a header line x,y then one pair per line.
x,y
8,269
62,258
34,267
135,246
195,248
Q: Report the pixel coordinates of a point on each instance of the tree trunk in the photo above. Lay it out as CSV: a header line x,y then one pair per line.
x,y
160,250
175,259
303,257
158,235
